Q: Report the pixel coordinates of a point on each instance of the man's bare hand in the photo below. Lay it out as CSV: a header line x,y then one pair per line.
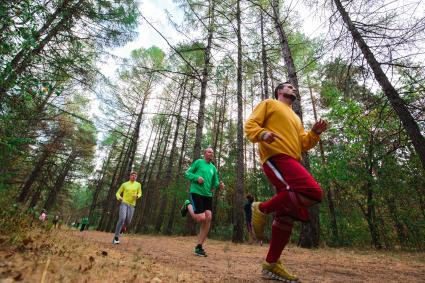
x,y
200,180
221,186
270,137
320,126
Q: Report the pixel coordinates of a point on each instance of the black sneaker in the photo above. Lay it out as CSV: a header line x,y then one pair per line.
x,y
199,251
183,209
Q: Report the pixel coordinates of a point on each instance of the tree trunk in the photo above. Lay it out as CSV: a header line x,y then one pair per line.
x,y
170,223
53,194
238,218
370,218
169,171
391,93
265,94
329,193
110,199
141,209
48,150
398,225
287,56
135,138
142,169
220,146
307,239
180,164
369,213
36,171
157,188
36,195
100,183
123,175
22,60
204,82
152,185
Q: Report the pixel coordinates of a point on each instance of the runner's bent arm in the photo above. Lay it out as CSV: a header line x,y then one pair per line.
x,y
308,139
216,180
139,191
190,173
120,190
254,125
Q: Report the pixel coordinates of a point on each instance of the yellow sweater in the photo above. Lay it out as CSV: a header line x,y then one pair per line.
x,y
275,116
129,190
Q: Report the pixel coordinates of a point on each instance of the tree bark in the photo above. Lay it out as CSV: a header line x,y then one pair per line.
x,y
53,194
238,218
329,192
21,61
110,201
265,94
169,171
48,150
141,209
309,231
391,93
204,82
99,185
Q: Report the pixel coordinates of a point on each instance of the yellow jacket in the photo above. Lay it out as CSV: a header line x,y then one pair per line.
x,y
129,190
275,116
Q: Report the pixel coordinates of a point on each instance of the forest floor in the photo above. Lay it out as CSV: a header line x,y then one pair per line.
x,y
73,256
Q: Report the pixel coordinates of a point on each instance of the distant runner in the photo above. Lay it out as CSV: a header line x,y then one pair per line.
x,y
55,221
203,177
84,223
281,137
248,217
128,193
43,215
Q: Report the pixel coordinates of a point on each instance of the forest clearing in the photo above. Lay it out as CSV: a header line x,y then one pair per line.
x,y
89,256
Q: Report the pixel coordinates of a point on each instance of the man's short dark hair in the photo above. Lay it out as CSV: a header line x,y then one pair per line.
x,y
279,86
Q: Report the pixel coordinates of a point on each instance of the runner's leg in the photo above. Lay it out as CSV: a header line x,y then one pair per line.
x,y
121,219
205,227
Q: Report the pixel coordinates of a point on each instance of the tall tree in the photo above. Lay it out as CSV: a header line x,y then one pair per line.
x,y
310,231
240,168
393,96
204,79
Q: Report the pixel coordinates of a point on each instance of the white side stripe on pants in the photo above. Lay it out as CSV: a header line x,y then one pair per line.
x,y
277,173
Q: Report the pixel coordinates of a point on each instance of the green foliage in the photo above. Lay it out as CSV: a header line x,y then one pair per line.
x,y
368,167
15,222
79,199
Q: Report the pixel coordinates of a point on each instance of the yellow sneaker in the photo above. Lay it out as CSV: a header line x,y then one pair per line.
x,y
258,221
277,271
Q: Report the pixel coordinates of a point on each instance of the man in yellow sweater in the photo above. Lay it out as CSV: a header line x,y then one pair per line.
x,y
282,139
128,193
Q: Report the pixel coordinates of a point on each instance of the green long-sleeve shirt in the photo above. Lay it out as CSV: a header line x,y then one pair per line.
x,y
201,168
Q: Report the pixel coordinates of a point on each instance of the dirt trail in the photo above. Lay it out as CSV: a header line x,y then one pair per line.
x,y
90,257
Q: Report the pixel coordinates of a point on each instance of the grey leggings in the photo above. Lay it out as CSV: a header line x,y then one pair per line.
x,y
126,213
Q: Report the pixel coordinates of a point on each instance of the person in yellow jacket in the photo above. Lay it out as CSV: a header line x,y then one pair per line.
x,y
282,139
128,193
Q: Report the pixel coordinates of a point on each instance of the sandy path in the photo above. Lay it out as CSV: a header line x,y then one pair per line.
x,y
228,262
73,256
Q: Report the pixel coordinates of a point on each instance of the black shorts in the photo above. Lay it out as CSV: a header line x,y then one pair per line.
x,y
200,203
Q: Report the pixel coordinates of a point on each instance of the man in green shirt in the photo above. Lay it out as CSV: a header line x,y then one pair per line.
x,y
203,177
128,193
